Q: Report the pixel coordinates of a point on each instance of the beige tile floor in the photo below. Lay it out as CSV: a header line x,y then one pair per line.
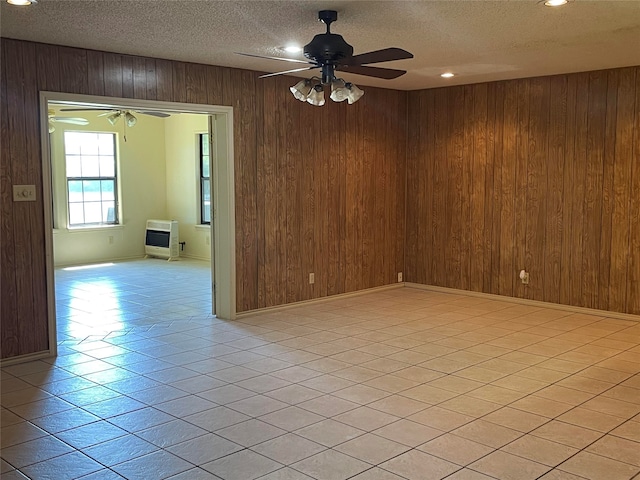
x,y
400,384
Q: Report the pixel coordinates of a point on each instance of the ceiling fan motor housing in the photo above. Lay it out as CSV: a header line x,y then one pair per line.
x,y
327,47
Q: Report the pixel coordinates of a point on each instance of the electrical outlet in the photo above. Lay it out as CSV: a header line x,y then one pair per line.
x,y
524,277
110,239
312,278
399,277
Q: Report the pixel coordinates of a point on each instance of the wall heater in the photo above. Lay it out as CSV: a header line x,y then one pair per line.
x,y
161,239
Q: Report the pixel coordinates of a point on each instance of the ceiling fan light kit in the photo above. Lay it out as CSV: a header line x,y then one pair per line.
x,y
113,118
130,119
302,89
316,97
329,52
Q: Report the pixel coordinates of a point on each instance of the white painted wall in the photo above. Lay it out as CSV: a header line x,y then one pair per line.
x,y
183,182
142,192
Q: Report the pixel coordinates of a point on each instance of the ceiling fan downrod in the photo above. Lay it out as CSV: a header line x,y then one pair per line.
x,y
327,17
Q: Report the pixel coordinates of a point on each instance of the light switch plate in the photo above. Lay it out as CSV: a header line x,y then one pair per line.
x,y
24,193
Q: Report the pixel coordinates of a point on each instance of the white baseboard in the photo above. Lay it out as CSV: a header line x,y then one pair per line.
x,y
196,257
91,262
526,301
314,301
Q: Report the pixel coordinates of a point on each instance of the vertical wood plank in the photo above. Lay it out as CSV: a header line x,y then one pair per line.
x,y
196,83
262,160
164,80
633,282
19,161
568,211
214,86
478,171
455,192
48,67
112,63
179,82
367,184
467,189
606,227
592,205
151,79
536,187
73,69
555,189
338,266
439,209
401,181
246,107
9,301
128,88
489,205
522,148
35,335
320,233
139,69
415,163
622,176
498,199
578,194
281,185
95,72
508,270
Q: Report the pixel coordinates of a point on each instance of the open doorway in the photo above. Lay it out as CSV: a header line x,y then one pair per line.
x,y
98,216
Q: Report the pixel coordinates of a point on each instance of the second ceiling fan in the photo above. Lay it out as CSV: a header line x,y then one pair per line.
x,y
115,114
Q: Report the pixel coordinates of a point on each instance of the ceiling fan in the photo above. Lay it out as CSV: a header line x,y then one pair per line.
x,y
51,114
329,52
115,114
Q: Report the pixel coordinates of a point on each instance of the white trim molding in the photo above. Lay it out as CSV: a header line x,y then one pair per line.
x,y
526,301
315,301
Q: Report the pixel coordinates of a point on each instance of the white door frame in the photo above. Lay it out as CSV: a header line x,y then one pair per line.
x,y
223,228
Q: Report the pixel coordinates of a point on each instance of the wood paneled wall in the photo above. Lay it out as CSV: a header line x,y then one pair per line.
x,y
317,189
541,174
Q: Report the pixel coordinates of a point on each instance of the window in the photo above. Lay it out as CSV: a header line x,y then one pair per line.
x,y
90,160
205,183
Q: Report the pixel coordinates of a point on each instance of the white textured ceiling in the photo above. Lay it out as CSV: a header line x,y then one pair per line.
x,y
479,40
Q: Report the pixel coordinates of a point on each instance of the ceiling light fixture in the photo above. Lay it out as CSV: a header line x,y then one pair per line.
x,y
130,119
554,3
447,75
316,97
114,117
22,3
311,90
292,49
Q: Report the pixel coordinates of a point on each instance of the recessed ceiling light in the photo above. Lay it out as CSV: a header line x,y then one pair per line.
x,y
555,3
292,49
447,75
22,3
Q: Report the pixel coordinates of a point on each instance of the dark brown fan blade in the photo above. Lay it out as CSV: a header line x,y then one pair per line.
x,y
294,60
386,73
384,55
288,71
